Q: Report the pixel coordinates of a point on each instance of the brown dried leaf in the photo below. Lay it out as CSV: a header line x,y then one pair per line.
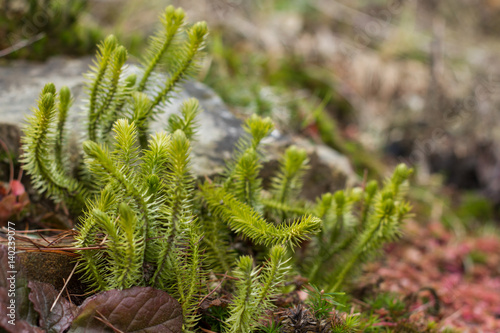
x,y
138,309
43,296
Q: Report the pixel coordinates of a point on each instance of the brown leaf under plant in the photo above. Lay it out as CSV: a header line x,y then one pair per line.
x,y
53,317
138,309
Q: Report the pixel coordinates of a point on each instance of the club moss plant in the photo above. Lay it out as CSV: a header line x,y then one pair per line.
x,y
143,219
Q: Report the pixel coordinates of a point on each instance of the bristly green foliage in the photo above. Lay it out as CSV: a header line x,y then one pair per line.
x,y
149,225
186,121
288,182
238,203
143,217
255,289
383,225
140,228
161,44
103,84
112,93
322,303
242,219
349,239
241,172
43,158
342,238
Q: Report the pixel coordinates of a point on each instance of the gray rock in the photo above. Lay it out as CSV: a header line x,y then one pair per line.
x,y
329,170
21,82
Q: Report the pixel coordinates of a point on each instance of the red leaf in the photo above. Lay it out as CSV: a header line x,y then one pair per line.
x,y
16,187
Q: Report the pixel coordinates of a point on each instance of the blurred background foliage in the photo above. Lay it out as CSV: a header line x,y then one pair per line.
x,y
37,29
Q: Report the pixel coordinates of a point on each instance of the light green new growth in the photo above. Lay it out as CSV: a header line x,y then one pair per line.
x,y
385,214
238,202
96,78
43,151
178,219
255,290
186,121
243,220
185,64
342,239
63,106
151,237
125,248
247,153
288,182
242,309
348,239
149,225
112,94
140,228
161,45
